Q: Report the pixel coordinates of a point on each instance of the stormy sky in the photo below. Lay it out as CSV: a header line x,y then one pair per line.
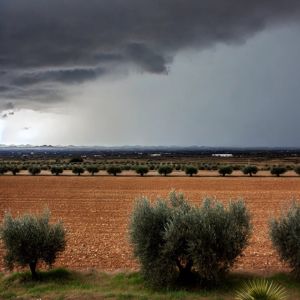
x,y
150,72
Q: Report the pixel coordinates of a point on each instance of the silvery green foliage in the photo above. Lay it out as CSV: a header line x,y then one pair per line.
x,y
142,170
34,170
191,170
165,170
78,170
56,170
278,170
250,170
174,241
224,170
92,169
285,236
29,239
114,170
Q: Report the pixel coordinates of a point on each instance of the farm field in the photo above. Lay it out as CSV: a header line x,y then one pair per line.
x,y
96,210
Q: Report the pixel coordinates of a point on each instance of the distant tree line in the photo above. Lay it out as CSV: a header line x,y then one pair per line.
x,y
114,168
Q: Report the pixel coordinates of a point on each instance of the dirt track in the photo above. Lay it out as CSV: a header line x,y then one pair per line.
x,y
95,211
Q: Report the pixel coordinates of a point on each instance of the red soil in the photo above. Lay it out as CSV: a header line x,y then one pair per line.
x,y
96,210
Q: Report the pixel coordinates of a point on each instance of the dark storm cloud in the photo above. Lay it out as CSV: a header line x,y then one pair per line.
x,y
63,76
47,43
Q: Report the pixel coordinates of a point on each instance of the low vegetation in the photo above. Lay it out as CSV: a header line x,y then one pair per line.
x,y
260,289
65,284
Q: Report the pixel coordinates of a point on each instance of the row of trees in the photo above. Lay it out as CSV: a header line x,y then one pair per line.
x,y
139,169
132,164
174,241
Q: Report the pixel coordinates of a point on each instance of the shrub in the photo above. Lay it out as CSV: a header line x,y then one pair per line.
x,y
34,170
250,170
177,242
78,170
29,239
142,170
224,170
56,170
114,170
14,169
191,170
92,169
165,170
261,289
285,236
278,170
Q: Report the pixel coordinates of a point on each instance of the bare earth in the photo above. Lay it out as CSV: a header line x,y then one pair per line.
x,y
96,210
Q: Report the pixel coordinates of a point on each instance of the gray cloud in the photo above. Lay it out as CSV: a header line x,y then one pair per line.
x,y
63,76
49,43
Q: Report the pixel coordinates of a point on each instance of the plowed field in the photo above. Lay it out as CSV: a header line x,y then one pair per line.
x,y
95,211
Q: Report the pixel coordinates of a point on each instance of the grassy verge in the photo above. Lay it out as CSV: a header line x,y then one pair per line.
x,y
63,284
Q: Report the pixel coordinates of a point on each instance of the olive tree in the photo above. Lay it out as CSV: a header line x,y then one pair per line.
x,y
142,170
78,170
56,170
225,170
285,236
34,170
278,170
250,170
114,170
29,239
165,170
191,170
175,241
14,169
92,169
